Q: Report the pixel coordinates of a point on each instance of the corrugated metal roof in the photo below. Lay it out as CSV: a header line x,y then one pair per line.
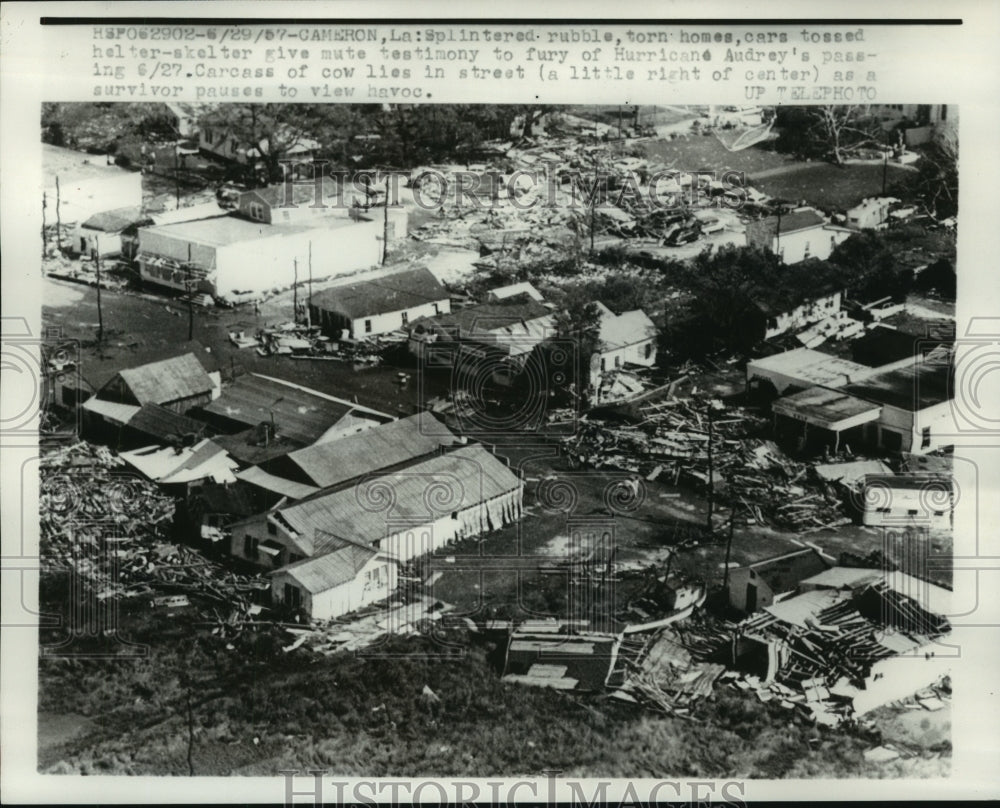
x,y
419,494
298,414
112,410
160,422
339,566
168,380
382,293
333,462
255,475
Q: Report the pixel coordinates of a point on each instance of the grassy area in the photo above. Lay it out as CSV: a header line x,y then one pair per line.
x,y
832,187
257,711
697,152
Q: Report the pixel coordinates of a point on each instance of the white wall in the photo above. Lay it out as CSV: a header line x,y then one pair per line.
x,y
393,320
86,241
348,597
815,243
904,507
806,314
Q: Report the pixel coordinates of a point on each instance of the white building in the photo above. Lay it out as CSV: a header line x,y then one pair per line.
x,y
343,579
405,513
379,302
797,236
101,234
908,500
871,213
87,184
624,339
235,259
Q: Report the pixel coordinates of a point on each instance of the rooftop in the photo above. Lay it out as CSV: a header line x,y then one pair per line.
x,y
925,383
627,328
802,610
163,423
112,221
811,366
231,228
167,380
917,481
828,409
302,193
783,573
425,492
333,462
339,565
299,414
794,222
381,292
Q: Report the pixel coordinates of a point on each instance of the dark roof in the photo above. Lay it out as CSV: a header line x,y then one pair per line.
x,y
784,573
250,447
333,462
912,388
111,221
233,499
299,415
339,565
168,380
160,422
385,293
488,316
793,222
883,346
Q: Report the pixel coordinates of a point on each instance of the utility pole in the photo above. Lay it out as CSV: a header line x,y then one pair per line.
x,y
309,306
190,296
295,292
58,218
885,167
385,224
177,177
711,470
100,314
729,548
43,224
593,209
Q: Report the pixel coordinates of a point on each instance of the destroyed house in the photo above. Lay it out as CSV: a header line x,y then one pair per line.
x,y
501,334
211,508
768,581
178,384
580,661
797,236
407,513
206,460
333,462
846,650
378,303
628,338
342,579
293,414
124,426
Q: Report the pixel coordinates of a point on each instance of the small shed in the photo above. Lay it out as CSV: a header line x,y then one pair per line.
x,y
769,580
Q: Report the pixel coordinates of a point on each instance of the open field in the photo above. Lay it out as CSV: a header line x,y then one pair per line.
x,y
832,187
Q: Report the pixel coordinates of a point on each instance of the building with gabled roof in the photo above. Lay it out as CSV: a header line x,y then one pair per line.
x,y
406,512
624,339
769,580
333,462
797,236
295,416
378,302
178,383
342,579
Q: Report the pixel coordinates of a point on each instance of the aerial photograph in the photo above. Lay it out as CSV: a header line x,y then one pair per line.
x,y
439,440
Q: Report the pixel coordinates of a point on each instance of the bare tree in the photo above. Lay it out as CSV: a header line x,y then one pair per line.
x,y
842,126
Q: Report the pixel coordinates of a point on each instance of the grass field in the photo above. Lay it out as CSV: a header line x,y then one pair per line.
x,y
833,187
705,152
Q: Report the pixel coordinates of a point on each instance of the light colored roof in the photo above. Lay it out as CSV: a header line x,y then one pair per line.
x,y
255,475
205,210
843,577
802,609
340,565
169,465
811,366
168,380
627,328
336,461
421,493
826,408
783,573
120,413
851,473
523,288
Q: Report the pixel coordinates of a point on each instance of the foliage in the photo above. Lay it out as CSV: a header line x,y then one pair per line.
x,y
937,179
869,269
826,132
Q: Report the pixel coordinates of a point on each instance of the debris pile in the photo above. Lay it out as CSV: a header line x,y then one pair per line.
x,y
110,527
672,443
299,341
